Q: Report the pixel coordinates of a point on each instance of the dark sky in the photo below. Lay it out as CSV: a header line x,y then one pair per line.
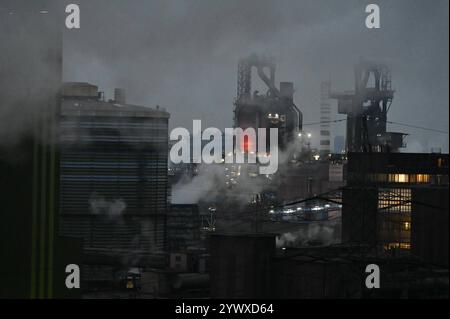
x,y
183,55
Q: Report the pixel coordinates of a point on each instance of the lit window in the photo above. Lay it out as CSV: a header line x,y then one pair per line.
x,y
401,178
407,226
390,246
396,200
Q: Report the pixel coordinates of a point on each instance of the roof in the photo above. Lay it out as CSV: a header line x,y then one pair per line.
x,y
79,90
91,107
83,99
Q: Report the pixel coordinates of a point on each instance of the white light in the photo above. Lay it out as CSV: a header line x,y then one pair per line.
x,y
309,135
299,134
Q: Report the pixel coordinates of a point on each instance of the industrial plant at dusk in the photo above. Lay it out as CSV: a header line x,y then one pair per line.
x,y
320,170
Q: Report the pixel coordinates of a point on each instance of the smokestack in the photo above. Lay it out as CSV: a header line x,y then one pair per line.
x,y
119,96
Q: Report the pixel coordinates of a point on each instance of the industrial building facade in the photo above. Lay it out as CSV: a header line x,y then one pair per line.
x,y
113,171
429,220
381,196
183,227
249,266
241,265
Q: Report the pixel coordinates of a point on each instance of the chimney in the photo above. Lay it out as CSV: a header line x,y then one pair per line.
x,y
119,96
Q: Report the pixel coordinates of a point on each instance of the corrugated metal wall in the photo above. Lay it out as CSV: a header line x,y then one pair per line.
x,y
113,181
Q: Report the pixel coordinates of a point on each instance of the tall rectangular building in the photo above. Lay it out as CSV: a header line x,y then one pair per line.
x,y
382,195
113,172
325,119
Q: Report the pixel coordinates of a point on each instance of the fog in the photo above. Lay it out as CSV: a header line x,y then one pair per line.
x,y
183,55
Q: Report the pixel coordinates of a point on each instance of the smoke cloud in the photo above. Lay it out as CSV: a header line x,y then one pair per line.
x,y
312,234
216,182
112,210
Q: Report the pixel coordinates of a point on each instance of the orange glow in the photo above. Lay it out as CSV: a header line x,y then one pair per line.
x,y
246,144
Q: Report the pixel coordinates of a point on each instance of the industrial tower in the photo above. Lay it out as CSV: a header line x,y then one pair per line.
x,y
274,109
367,109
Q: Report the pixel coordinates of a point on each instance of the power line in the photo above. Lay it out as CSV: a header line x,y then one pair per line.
x,y
418,127
390,122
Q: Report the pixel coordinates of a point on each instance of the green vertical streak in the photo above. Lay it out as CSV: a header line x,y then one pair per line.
x,y
42,258
51,220
34,218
